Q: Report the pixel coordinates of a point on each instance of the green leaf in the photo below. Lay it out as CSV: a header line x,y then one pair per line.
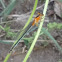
x,y
1,27
9,8
60,60
54,25
49,26
7,29
51,37
59,26
12,35
2,2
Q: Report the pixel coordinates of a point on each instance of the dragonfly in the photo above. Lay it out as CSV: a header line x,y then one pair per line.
x,y
25,31
37,19
29,27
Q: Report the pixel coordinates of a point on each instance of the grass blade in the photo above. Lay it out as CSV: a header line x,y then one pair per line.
x,y
51,37
7,10
38,32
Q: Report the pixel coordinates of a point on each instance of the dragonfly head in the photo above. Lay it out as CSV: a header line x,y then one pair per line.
x,y
40,14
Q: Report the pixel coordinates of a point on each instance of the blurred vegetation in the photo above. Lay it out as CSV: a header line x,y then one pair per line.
x,y
54,25
8,33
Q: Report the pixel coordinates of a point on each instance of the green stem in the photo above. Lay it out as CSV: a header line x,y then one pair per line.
x,y
7,57
38,32
35,5
36,1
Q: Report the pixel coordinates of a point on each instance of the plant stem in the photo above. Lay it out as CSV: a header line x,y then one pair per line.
x,y
21,34
38,32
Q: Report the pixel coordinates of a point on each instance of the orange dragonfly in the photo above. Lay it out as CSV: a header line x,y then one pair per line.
x,y
37,19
